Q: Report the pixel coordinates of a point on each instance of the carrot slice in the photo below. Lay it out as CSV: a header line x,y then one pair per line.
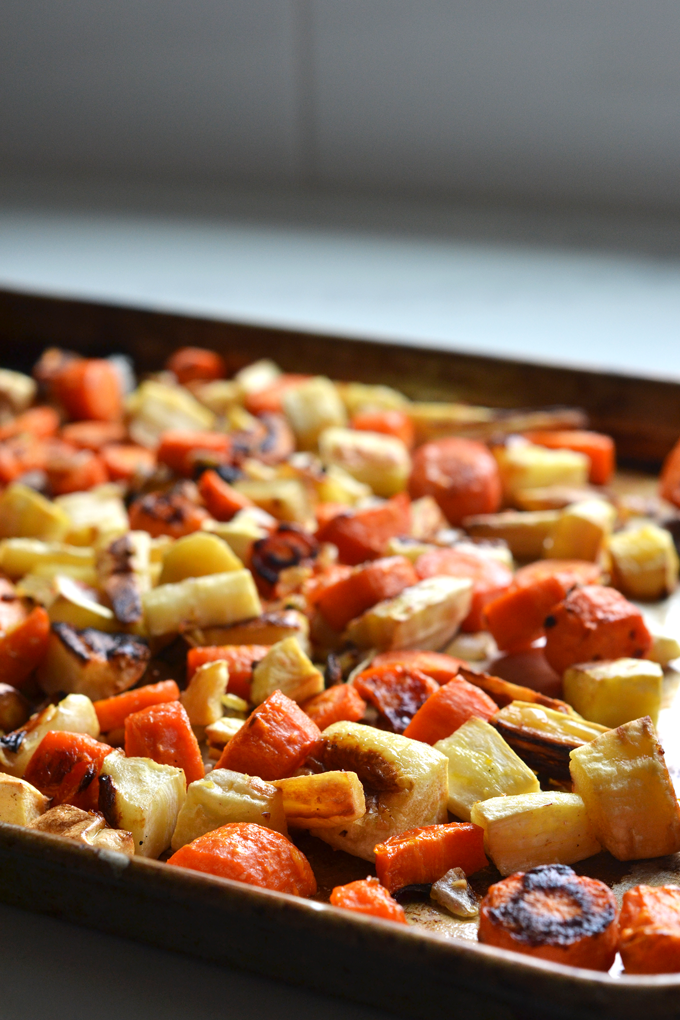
x,y
196,363
39,422
396,691
368,585
362,535
93,435
649,924
341,703
460,474
368,896
126,460
166,513
89,388
21,454
270,399
66,766
517,618
182,451
598,448
222,500
489,578
437,665
24,647
76,473
669,483
424,855
447,709
112,712
246,852
594,622
553,913
567,572
389,423
275,739
163,732
240,660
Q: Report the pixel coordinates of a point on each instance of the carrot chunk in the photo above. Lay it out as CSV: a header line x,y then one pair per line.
x,y
270,399
163,732
567,572
517,618
362,535
171,513
89,388
125,460
196,363
424,855
368,896
649,924
77,472
594,622
24,647
240,660
66,766
246,852
553,913
437,665
396,691
93,435
669,483
182,451
21,454
598,448
368,585
112,712
460,474
341,703
447,709
389,423
222,500
274,741
38,422
490,579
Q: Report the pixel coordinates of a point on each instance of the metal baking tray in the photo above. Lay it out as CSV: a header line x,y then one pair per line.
x,y
434,963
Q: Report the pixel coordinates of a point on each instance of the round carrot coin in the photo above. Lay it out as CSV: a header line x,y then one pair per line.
x,y
460,474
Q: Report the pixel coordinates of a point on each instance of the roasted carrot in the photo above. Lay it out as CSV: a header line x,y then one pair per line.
x,y
553,913
517,617
77,472
39,422
390,423
315,587
598,448
489,578
66,766
245,852
21,454
183,451
366,586
275,739
163,733
222,500
594,622
126,460
112,712
270,399
240,660
368,896
460,474
396,691
325,512
447,709
93,435
362,535
649,925
171,513
289,546
13,609
24,647
669,482
567,572
424,855
89,388
341,703
437,665
196,363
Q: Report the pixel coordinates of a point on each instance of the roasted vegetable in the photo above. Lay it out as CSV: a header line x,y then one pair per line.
x,y
144,798
286,668
91,662
224,797
320,801
20,803
615,692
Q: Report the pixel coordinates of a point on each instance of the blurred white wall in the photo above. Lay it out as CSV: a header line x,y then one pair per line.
x,y
557,100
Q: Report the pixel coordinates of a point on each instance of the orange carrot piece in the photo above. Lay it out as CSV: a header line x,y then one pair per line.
x,y
222,500
368,896
325,512
240,660
424,855
598,448
39,422
112,712
89,388
270,399
76,473
93,435
126,460
66,766
24,647
489,578
567,572
516,618
460,474
196,363
182,451
21,454
437,665
362,535
396,691
166,513
163,732
594,622
389,423
315,587
669,483
275,740
649,926
447,709
368,585
341,703
12,608
246,852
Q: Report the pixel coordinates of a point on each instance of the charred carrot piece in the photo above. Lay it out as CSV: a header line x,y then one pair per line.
x,y
517,617
390,423
598,448
170,513
240,660
66,766
568,572
196,364
93,435
76,473
222,500
315,587
112,712
362,535
368,896
183,451
553,913
490,579
270,399
24,647
275,740
368,585
126,460
396,691
460,474
325,512
38,422
245,852
289,546
594,622
163,732
341,703
437,665
422,856
447,709
649,926
669,482
89,388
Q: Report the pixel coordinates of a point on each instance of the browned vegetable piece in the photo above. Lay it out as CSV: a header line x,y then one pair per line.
x,y
14,708
91,662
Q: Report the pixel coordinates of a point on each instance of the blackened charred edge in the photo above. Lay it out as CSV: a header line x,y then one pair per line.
x,y
72,639
88,777
548,758
111,646
13,741
417,893
123,591
371,768
107,800
121,551
333,671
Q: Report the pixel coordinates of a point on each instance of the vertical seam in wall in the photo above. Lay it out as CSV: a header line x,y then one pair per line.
x,y
305,87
